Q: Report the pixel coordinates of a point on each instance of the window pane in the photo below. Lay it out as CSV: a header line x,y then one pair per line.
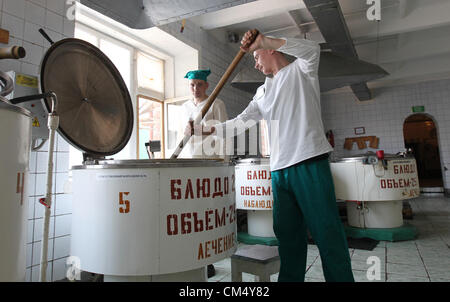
x,y
150,73
150,125
120,56
175,125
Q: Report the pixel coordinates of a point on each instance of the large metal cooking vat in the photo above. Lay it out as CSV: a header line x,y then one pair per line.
x,y
152,217
254,194
133,220
374,188
15,137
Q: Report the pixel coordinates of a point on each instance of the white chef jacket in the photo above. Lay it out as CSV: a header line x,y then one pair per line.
x,y
217,113
290,104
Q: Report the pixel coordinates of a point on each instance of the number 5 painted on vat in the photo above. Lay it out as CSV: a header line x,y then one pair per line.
x,y
124,202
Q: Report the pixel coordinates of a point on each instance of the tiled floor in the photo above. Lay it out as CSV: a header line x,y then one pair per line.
x,y
425,259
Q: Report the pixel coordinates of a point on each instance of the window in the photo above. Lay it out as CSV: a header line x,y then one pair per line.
x,y
144,78
152,62
176,123
119,53
120,56
150,73
150,125
150,107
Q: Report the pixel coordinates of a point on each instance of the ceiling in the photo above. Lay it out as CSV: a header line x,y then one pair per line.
x,y
411,41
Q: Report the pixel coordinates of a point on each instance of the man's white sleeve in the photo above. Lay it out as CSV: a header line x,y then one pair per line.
x,y
251,113
307,51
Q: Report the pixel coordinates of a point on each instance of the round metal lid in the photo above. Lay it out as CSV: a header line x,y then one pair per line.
x,y
94,106
363,157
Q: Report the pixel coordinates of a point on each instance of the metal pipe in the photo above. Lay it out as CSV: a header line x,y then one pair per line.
x,y
13,52
53,123
41,144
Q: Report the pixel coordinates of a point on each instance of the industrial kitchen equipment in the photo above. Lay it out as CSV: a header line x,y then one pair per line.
x,y
373,186
144,220
15,136
254,195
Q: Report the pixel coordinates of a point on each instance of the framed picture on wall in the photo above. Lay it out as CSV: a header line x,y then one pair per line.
x,y
360,130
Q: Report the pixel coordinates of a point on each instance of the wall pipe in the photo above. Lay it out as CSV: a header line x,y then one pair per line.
x,y
53,123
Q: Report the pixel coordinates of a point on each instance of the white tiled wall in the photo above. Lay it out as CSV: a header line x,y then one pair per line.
x,y
23,18
385,114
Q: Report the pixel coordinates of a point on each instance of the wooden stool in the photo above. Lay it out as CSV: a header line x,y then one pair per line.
x,y
259,260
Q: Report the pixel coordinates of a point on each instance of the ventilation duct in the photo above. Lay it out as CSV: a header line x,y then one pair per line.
x,y
331,22
142,14
335,71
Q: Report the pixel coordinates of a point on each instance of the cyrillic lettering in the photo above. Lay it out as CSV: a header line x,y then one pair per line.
x,y
208,225
172,228
175,192
217,188
198,223
189,190
220,219
185,224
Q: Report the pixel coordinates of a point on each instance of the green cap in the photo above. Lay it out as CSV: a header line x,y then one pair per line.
x,y
198,74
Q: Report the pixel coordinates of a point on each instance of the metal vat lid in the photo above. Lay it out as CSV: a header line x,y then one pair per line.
x,y
94,106
363,157
152,163
11,107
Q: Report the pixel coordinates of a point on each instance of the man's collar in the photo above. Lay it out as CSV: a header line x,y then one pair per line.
x,y
193,101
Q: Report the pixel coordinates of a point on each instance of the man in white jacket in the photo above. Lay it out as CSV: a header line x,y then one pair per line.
x,y
203,143
302,184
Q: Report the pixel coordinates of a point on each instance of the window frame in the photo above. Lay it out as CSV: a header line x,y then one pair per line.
x,y
134,89
177,100
100,35
162,122
147,91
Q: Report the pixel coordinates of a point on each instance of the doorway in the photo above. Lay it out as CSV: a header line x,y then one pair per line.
x,y
420,134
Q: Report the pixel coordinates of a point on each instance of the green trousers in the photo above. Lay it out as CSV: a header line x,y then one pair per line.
x,y
304,199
